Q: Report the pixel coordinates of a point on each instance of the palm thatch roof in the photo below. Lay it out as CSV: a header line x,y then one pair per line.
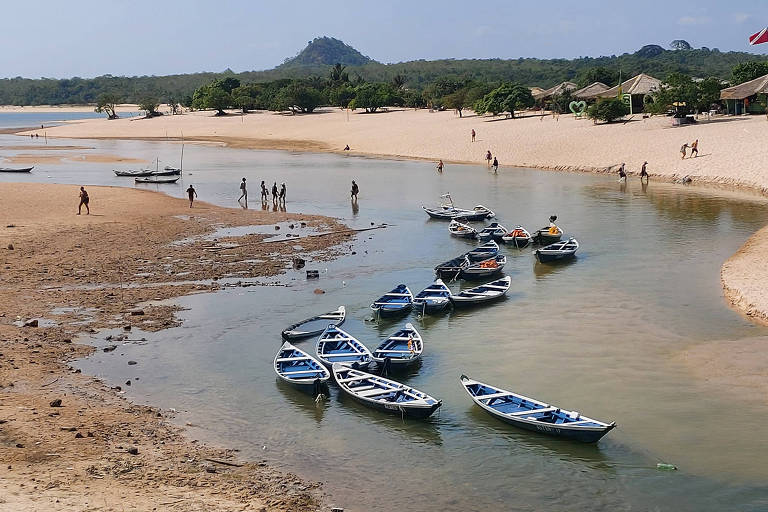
x,y
745,90
640,84
554,91
536,90
590,91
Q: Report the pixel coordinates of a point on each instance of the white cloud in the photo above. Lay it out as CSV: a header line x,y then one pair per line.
x,y
740,17
694,20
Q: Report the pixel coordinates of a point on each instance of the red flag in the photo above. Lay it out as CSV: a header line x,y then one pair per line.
x,y
760,37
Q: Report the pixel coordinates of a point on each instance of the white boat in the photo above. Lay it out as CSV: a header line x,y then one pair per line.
x,y
434,298
518,237
483,293
557,251
337,346
403,348
299,369
315,325
485,268
461,230
493,231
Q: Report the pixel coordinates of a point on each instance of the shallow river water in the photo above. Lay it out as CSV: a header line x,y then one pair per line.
x,y
603,335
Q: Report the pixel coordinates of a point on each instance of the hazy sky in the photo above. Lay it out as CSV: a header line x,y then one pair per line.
x,y
87,38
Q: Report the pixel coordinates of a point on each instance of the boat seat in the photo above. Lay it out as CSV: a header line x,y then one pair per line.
x,y
342,354
373,392
580,422
287,359
362,388
350,379
303,371
406,351
493,395
533,411
400,338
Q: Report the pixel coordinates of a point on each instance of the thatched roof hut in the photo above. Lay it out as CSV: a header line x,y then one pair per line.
x,y
554,91
590,91
536,90
745,90
641,84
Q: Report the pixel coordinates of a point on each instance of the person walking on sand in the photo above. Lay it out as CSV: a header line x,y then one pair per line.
x,y
473,135
622,173
282,193
264,192
488,158
243,192
192,193
355,190
644,172
274,193
683,149
440,166
495,165
83,202
695,148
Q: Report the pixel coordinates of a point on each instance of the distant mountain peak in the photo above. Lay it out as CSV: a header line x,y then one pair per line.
x,y
327,51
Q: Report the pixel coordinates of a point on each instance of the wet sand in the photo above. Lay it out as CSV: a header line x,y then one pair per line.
x,y
76,456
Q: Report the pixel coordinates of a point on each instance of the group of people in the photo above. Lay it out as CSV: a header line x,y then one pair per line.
x,y
643,172
694,149
491,161
278,195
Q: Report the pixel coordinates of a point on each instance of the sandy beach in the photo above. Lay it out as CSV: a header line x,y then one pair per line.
x,y
732,149
67,441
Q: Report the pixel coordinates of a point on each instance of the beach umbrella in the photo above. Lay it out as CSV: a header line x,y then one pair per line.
x,y
759,38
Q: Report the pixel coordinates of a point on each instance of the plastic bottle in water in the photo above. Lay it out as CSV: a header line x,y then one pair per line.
x,y
663,466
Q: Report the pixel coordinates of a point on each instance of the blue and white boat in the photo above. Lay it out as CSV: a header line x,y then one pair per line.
x,y
434,298
397,302
315,325
384,394
530,414
493,231
484,293
403,348
461,230
301,370
483,252
337,346
518,237
452,269
557,251
485,268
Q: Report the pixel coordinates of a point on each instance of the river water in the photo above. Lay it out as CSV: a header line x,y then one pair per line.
x,y
602,335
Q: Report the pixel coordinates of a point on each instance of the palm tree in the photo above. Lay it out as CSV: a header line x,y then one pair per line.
x,y
398,81
338,74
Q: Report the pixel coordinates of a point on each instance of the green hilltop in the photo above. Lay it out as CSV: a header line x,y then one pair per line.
x,y
322,52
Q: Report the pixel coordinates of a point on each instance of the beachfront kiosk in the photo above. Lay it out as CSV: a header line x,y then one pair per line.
x,y
632,91
747,98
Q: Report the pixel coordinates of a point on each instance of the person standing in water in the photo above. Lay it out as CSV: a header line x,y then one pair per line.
x,y
440,166
644,172
622,173
84,199
243,192
488,158
495,165
192,193
355,190
264,193
282,193
695,148
274,192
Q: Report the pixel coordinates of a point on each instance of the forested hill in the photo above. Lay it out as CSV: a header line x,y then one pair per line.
x,y
314,61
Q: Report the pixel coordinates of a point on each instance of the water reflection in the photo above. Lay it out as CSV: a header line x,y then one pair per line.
x,y
301,401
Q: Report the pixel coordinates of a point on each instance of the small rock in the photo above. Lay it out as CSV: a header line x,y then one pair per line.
x,y
31,323
290,226
109,348
19,445
210,469
56,403
10,247
133,450
137,312
318,291
89,434
277,228
132,362
128,382
79,436
108,337
66,340
126,327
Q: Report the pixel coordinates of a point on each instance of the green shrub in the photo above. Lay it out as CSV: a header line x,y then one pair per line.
x,y
608,109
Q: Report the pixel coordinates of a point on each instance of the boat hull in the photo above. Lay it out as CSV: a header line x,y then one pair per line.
x,y
392,311
24,169
552,258
431,306
417,413
582,435
518,242
543,238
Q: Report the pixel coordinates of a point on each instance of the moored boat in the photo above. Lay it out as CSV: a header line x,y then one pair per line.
x,y
483,252
493,231
447,211
461,230
152,179
142,173
484,293
484,268
168,171
337,346
16,169
518,237
434,298
384,394
530,414
558,251
547,235
451,269
315,325
398,301
299,369
401,349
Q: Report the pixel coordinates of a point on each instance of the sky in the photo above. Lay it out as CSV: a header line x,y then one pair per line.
x,y
87,38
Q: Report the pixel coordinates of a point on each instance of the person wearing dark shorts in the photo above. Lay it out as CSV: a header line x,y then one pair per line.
x,y
495,165
84,199
644,172
355,190
274,192
192,193
622,173
264,192
488,158
695,148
